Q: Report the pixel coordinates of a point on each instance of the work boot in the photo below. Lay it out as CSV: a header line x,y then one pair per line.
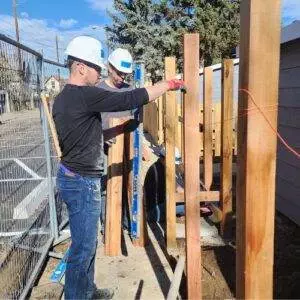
x,y
103,294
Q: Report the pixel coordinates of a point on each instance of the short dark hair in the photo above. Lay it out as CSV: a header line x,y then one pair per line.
x,y
70,61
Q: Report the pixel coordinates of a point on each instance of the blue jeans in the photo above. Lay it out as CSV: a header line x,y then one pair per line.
x,y
82,196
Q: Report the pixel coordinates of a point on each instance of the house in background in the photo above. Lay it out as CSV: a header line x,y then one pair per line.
x,y
53,85
288,165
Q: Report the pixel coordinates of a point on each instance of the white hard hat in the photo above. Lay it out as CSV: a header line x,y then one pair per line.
x,y
121,59
162,153
86,48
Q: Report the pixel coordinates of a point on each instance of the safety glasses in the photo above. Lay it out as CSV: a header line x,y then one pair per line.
x,y
120,74
98,69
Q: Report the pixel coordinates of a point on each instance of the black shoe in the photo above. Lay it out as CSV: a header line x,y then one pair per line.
x,y
103,294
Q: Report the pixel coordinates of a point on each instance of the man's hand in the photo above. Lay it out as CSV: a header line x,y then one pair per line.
x,y
111,141
161,87
176,84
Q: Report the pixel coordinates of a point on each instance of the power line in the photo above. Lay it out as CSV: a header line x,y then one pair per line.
x,y
25,41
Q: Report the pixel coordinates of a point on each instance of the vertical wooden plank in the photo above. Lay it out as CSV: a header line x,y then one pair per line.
x,y
213,127
207,134
52,126
177,115
226,143
146,117
201,122
159,112
191,165
235,113
170,131
156,122
114,194
217,129
181,130
257,148
179,126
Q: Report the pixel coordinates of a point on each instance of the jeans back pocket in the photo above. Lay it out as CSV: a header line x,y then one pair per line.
x,y
94,197
71,192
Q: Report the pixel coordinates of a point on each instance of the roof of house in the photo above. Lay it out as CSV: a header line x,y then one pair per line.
x,y
61,80
290,32
51,77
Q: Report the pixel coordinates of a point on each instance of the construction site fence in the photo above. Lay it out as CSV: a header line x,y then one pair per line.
x,y
30,212
154,113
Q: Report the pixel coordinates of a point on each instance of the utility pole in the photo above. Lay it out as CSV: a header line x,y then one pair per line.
x,y
16,20
57,54
17,33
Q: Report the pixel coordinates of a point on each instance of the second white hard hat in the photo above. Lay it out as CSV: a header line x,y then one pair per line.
x,y
86,48
121,59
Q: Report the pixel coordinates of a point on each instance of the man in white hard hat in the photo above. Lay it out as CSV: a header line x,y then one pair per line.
x,y
119,67
77,116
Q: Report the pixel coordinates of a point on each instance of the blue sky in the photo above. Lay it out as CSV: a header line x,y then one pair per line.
x,y
41,20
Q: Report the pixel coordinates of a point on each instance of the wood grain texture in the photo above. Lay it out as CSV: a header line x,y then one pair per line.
x,y
226,143
207,135
259,72
191,164
114,194
217,128
52,126
170,140
203,196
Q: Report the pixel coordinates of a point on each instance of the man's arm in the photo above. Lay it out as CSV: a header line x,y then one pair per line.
x,y
161,87
100,100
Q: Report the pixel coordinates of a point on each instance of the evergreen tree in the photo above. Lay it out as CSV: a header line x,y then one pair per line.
x,y
139,28
217,22
151,30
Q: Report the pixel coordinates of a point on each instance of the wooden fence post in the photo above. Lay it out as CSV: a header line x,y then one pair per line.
x,y
52,126
170,137
207,135
259,72
192,165
226,143
160,138
114,194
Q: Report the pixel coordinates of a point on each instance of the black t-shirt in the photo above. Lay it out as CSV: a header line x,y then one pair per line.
x,y
105,116
77,116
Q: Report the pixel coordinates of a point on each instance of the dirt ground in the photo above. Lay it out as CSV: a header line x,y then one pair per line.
x,y
218,273
147,273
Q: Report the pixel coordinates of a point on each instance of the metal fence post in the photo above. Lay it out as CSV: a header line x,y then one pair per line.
x,y
51,199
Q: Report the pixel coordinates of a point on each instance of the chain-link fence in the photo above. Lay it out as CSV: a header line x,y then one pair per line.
x,y
29,214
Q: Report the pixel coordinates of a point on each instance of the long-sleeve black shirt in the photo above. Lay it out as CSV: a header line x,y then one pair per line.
x,y
76,113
